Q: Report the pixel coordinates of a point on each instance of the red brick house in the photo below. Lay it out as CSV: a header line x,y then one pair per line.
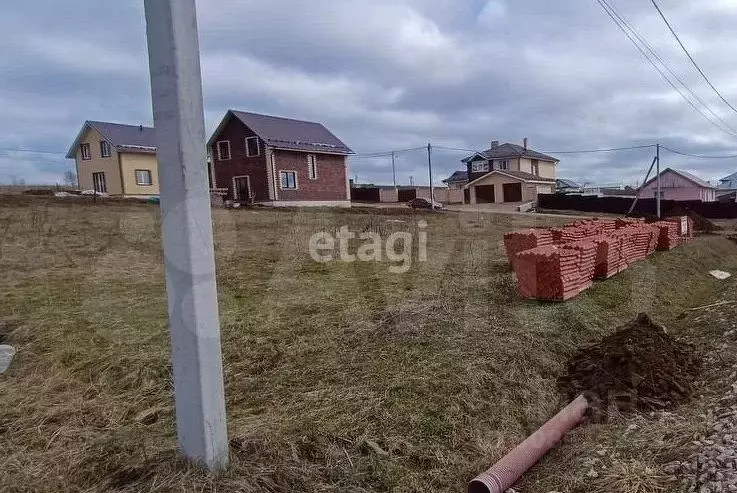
x,y
279,161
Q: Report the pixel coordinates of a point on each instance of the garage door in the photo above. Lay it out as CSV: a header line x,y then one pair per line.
x,y
407,194
512,192
485,194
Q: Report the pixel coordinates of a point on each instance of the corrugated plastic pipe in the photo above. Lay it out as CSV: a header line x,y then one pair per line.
x,y
507,471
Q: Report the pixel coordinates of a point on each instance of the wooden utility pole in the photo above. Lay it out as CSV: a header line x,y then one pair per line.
x,y
186,223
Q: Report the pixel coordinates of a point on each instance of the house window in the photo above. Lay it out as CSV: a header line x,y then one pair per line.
x,y
662,194
535,167
224,150
288,180
504,164
252,148
105,149
478,166
143,177
99,183
85,150
312,166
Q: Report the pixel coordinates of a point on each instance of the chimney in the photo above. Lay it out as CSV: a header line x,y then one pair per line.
x,y
525,142
494,144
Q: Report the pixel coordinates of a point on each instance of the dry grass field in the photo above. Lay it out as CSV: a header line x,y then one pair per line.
x,y
340,377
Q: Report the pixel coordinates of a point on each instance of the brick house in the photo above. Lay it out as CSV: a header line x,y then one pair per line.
x,y
279,161
508,173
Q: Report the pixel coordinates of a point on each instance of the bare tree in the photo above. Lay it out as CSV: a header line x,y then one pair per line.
x,y
70,178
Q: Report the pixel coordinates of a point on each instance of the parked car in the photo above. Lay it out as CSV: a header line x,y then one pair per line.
x,y
420,203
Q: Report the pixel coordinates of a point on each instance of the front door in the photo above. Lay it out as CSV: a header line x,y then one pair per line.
x,y
99,183
242,189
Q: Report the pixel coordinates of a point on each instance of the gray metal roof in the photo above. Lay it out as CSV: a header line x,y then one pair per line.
x,y
511,150
287,133
458,176
563,182
131,138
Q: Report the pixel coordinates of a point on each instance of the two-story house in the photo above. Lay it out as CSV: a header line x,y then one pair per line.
x,y
279,161
508,173
116,159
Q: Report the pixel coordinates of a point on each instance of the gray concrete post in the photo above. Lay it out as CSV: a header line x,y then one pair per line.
x,y
176,88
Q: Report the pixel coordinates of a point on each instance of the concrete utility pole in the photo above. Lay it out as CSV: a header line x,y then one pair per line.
x,y
186,223
657,158
394,171
429,167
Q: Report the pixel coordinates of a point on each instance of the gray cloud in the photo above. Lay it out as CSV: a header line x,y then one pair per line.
x,y
384,74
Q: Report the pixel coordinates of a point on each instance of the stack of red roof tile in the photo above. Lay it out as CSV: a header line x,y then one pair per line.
x,y
669,236
610,258
519,241
556,272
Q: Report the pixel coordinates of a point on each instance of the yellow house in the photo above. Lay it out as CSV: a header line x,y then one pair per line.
x,y
116,159
508,173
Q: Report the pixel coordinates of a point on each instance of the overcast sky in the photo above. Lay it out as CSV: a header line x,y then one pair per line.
x,y
386,74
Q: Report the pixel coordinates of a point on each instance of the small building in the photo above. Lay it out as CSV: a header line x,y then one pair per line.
x,y
116,159
678,185
726,188
508,173
457,180
279,161
563,185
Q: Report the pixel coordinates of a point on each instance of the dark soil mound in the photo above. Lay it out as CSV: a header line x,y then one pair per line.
x,y
639,367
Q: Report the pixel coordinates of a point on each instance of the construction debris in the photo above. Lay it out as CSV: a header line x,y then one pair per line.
x,y
720,274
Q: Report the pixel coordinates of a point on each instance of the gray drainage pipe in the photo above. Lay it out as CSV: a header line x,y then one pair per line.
x,y
507,471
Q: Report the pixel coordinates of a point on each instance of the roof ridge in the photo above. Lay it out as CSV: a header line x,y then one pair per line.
x,y
277,117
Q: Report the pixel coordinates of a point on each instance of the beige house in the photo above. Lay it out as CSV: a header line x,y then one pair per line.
x,y
116,159
508,173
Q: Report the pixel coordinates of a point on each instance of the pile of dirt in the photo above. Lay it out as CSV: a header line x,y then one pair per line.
x,y
638,368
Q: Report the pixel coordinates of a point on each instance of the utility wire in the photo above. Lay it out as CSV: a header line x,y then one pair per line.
x,y
675,35
652,51
7,149
582,151
386,153
700,156
606,7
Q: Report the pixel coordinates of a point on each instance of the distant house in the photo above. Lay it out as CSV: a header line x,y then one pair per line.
x,y
279,161
678,185
457,180
116,159
508,173
728,183
566,186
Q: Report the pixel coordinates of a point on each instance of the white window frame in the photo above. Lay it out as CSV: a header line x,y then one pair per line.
x,y
281,181
479,166
312,166
235,189
504,164
535,167
150,178
258,147
220,154
105,146
86,156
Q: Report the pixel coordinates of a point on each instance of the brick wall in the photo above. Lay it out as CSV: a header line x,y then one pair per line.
x,y
331,176
240,165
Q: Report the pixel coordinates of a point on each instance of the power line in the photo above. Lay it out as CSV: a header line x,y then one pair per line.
x,y
675,35
700,156
606,7
652,51
33,151
581,151
613,149
386,153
